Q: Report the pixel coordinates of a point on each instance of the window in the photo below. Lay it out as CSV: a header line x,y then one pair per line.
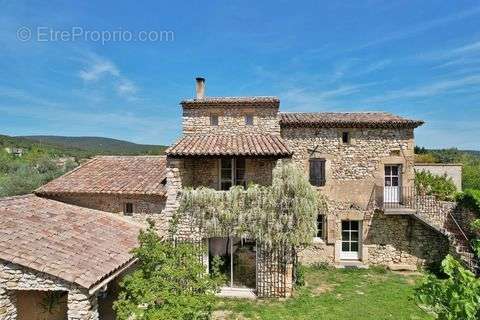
x,y
317,172
321,226
249,120
345,137
232,172
214,120
128,208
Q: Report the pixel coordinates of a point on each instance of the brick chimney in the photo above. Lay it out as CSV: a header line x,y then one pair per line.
x,y
200,88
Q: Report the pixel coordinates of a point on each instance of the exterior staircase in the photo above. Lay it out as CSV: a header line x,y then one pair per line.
x,y
438,215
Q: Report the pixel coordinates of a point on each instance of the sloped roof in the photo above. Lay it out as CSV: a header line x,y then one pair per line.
x,y
113,175
258,101
346,120
230,145
76,244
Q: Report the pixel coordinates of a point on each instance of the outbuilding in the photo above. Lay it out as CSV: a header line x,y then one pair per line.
x,y
59,261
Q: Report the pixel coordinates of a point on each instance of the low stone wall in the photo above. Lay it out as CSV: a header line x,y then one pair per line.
x,y
451,170
81,305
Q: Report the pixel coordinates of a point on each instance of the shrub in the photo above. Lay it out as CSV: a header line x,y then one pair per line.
x,y
440,186
457,297
471,175
169,283
425,158
299,275
470,199
321,266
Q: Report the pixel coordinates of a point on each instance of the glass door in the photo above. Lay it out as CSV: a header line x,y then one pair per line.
x,y
350,240
391,193
235,258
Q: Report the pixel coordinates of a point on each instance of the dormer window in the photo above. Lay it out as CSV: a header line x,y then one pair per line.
x,y
214,120
249,120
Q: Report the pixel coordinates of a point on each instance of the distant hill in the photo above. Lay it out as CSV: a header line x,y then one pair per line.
x,y
98,145
27,144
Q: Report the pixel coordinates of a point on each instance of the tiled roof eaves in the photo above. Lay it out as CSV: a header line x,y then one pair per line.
x,y
347,124
231,145
346,120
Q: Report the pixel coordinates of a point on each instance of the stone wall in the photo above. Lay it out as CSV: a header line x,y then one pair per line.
x,y
353,169
354,173
144,206
451,170
390,240
81,305
231,120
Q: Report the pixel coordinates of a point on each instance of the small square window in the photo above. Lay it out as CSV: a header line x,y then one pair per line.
x,y
249,120
128,208
345,137
214,120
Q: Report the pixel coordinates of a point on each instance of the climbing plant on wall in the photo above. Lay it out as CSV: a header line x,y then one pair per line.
x,y
283,213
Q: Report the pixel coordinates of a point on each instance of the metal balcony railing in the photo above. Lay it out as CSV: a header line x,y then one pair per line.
x,y
406,197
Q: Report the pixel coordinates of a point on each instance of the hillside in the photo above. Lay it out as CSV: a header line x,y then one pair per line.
x,y
48,148
98,145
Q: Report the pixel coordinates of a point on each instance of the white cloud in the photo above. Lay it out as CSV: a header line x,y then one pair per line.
x,y
301,99
436,88
101,69
423,27
126,87
98,69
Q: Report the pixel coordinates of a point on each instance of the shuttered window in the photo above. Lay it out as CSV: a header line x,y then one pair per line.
x,y
317,172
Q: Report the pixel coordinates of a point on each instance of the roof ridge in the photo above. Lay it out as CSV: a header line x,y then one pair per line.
x,y
129,156
342,112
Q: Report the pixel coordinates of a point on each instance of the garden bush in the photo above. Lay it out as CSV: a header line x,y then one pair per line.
x,y
453,298
170,282
470,199
440,186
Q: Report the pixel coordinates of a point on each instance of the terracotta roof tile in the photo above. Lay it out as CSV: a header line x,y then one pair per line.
x,y
113,174
230,145
75,244
346,120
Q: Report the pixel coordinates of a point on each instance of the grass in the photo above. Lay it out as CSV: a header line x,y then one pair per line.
x,y
336,294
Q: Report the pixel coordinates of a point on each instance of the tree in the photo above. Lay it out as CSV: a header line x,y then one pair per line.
x,y
453,298
170,282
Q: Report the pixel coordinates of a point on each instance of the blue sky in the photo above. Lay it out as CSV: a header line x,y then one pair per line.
x,y
419,59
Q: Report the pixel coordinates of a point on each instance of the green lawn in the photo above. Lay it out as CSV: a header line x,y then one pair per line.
x,y
336,294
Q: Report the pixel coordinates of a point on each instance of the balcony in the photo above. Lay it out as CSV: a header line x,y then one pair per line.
x,y
404,200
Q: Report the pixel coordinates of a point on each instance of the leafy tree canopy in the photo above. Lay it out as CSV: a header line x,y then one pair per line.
x,y
170,282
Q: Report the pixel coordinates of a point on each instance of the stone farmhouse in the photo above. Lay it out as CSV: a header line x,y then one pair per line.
x,y
362,162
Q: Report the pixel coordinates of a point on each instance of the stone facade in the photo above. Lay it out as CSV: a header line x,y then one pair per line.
x,y
231,120
354,174
144,206
355,168
81,305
